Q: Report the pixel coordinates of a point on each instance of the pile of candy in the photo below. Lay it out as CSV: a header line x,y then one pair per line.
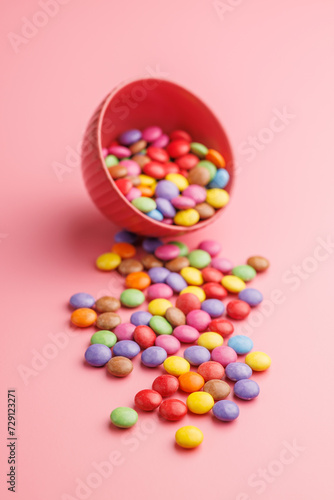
x,y
201,280
169,178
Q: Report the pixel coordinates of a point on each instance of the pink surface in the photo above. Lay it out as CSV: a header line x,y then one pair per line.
x,y
250,62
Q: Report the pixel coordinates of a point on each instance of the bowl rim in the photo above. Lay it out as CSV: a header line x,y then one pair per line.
x,y
172,228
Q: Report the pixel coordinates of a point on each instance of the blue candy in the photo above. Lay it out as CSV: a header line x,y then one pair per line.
x,y
241,344
155,214
220,180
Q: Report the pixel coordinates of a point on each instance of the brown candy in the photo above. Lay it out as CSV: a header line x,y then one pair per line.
x,y
205,210
258,263
117,171
199,176
107,304
177,264
141,160
119,366
135,180
108,321
128,266
175,316
150,261
217,388
138,146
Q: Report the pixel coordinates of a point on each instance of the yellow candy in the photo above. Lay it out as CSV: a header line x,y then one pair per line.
x,y
196,290
258,361
146,180
158,307
108,261
210,340
233,284
187,217
217,198
175,365
200,402
189,436
179,180
192,275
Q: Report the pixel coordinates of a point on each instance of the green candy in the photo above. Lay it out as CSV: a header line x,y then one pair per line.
x,y
160,325
199,259
104,337
184,250
132,297
244,272
124,417
111,160
144,204
198,149
209,166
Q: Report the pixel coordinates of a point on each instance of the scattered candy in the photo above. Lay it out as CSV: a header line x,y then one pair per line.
x,y
153,356
211,370
82,300
83,317
189,436
258,361
166,385
238,309
173,409
226,410
246,389
148,400
258,263
252,296
127,348
124,417
196,355
191,382
119,366
210,340
107,304
175,365
217,388
238,371
97,354
104,337
241,344
200,402
108,321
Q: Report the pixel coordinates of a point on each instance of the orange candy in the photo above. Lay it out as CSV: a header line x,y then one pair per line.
x,y
216,158
124,250
83,317
138,280
145,190
191,382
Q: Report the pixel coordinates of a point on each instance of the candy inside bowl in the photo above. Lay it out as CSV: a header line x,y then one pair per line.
x,y
160,104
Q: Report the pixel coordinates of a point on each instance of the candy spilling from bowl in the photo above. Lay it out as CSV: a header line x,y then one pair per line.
x,y
185,291
168,177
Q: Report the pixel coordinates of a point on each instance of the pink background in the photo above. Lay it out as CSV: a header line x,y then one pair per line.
x,y
255,58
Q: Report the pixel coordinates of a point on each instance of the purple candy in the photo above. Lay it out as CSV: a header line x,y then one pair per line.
x,y
127,348
139,318
129,137
252,296
246,389
211,246
196,355
97,354
166,189
225,410
161,142
82,299
125,237
222,264
120,151
197,193
124,331
165,207
153,356
183,202
238,371
151,134
158,274
167,252
176,282
214,307
151,244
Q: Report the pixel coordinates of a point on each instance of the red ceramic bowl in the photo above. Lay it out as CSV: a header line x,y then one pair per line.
x,y
139,104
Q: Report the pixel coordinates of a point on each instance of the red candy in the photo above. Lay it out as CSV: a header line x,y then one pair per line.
x,y
157,154
124,185
171,168
212,274
144,336
166,385
238,309
178,148
187,162
180,134
172,409
211,370
222,326
214,291
155,170
148,400
187,302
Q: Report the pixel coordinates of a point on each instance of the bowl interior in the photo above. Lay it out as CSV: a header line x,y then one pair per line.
x,y
150,101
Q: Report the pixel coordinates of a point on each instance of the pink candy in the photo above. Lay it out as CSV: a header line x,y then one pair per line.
x,y
120,151
197,193
124,331
133,194
222,264
224,355
186,334
198,319
161,142
168,342
167,252
151,134
183,202
131,166
211,246
159,291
